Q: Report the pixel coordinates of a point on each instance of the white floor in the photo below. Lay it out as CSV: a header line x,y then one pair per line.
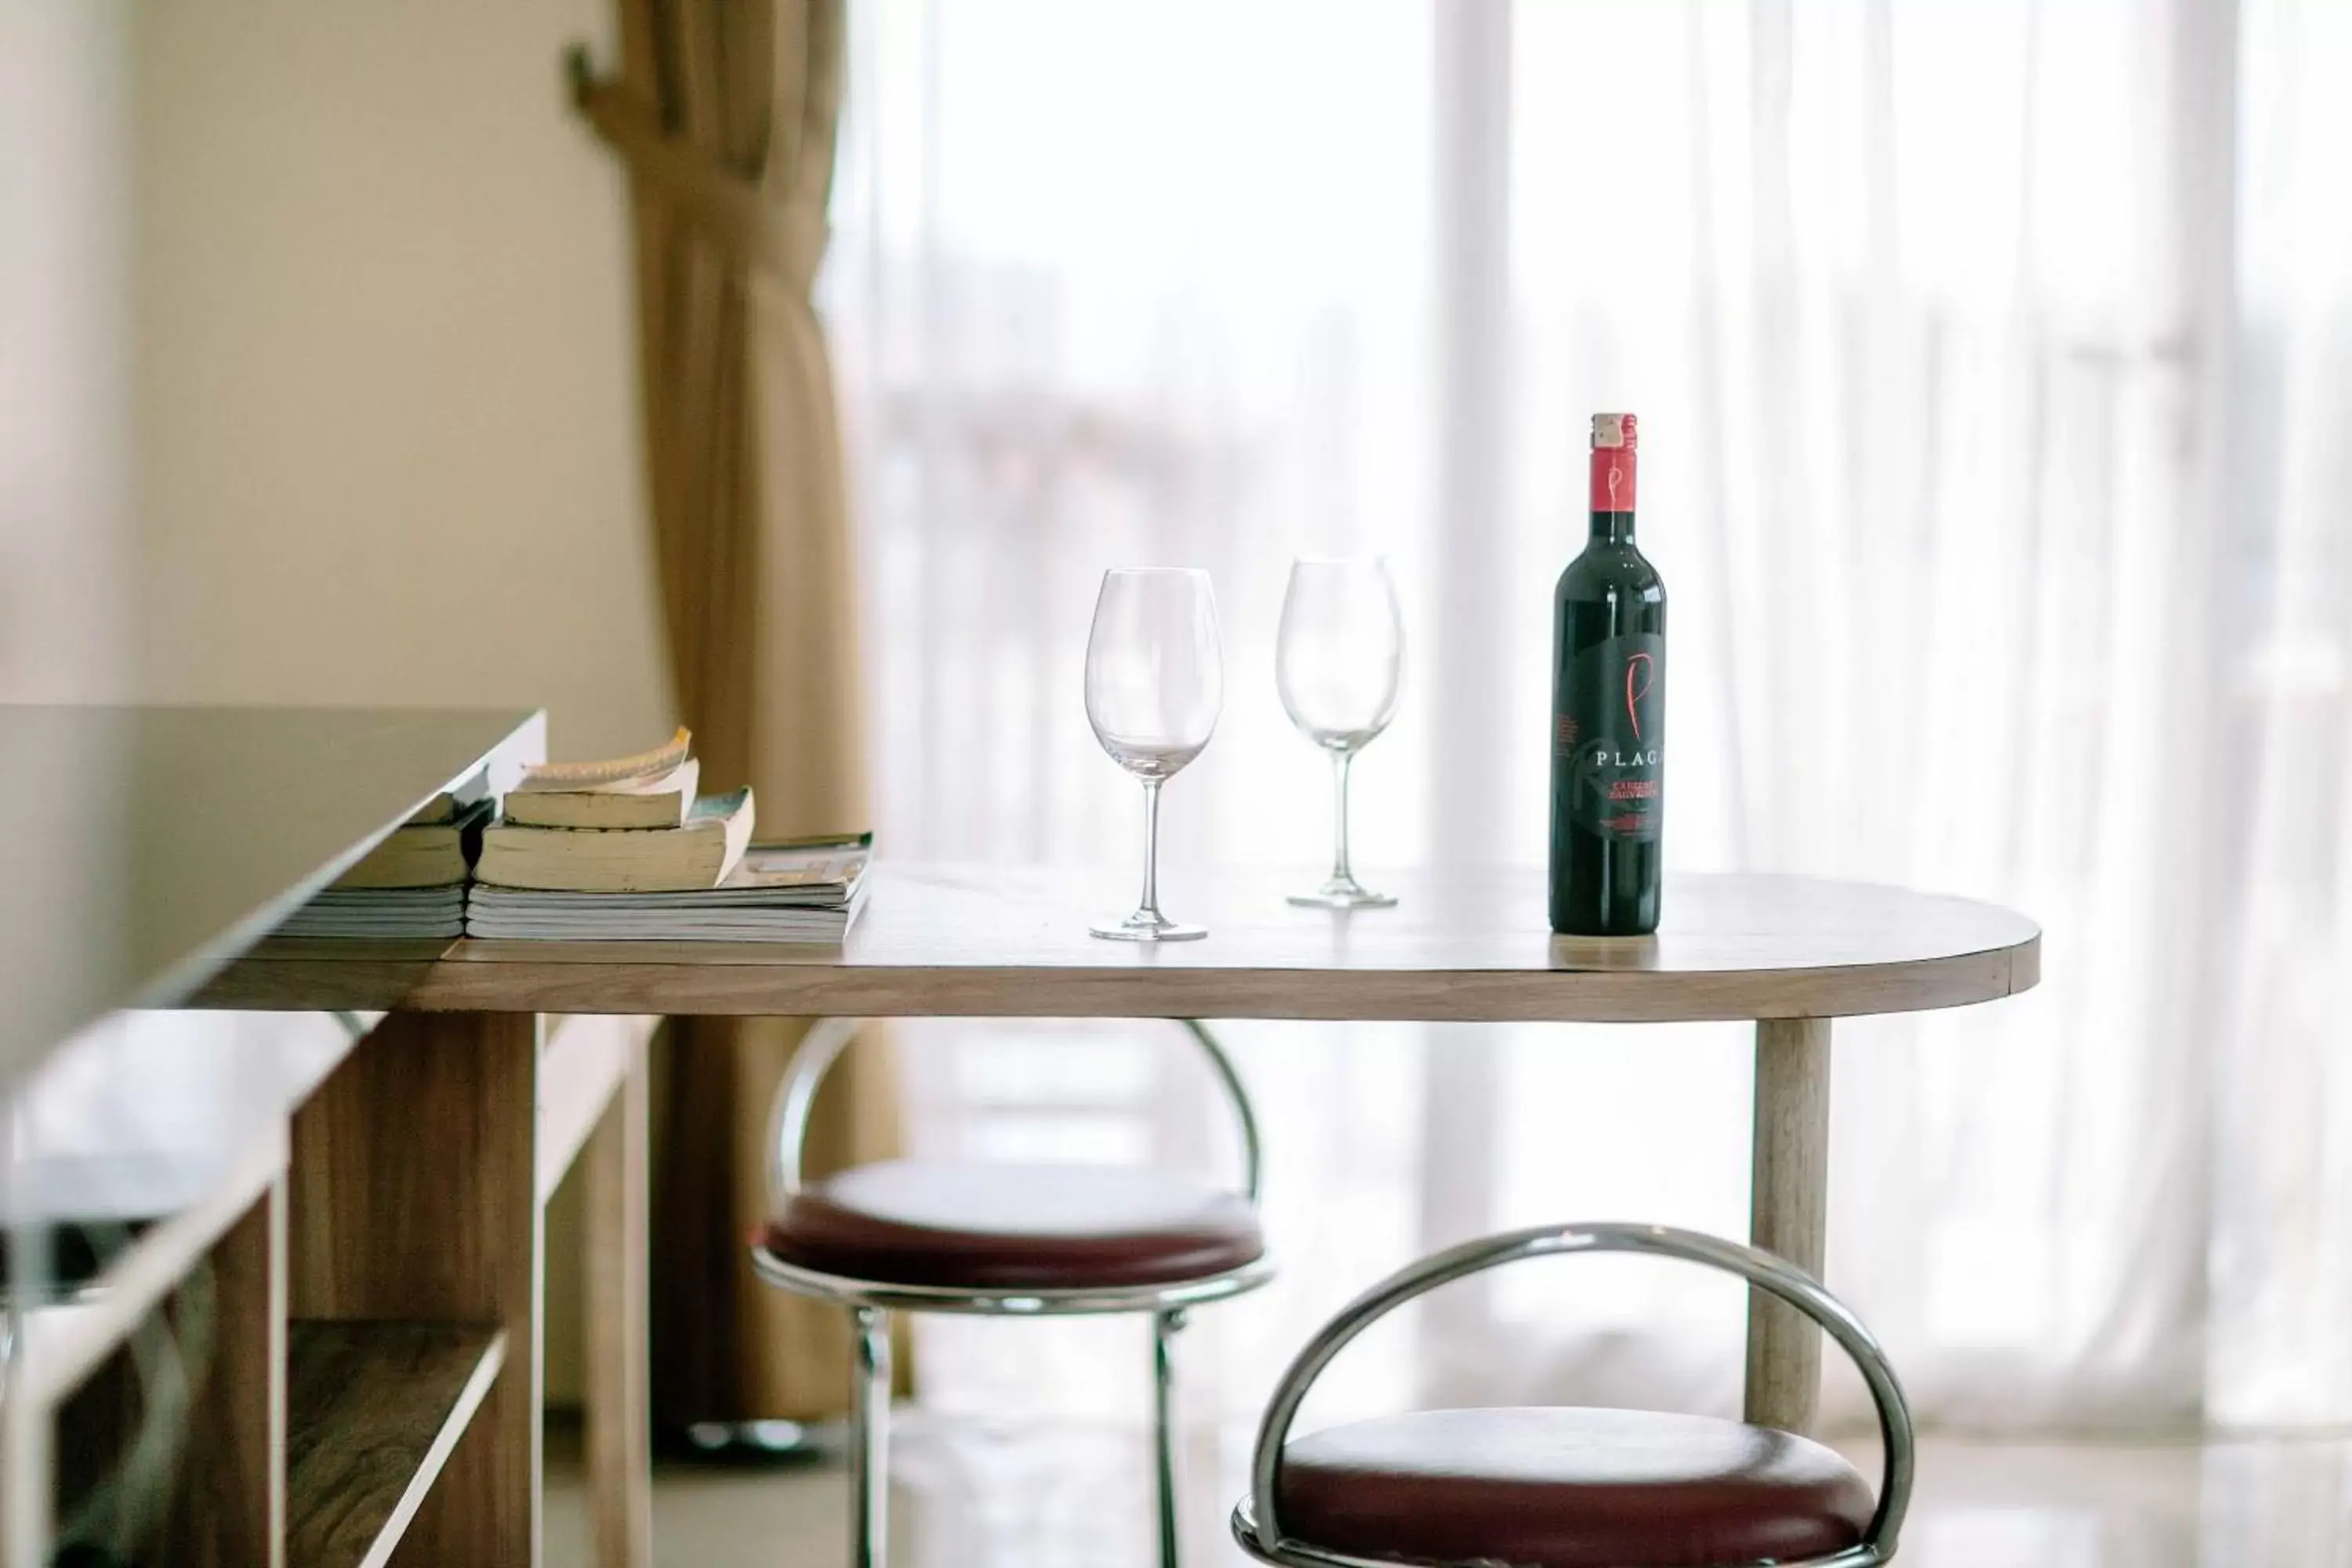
x,y
1011,1496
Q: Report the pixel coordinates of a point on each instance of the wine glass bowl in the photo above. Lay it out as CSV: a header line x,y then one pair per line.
x,y
1339,668
1155,684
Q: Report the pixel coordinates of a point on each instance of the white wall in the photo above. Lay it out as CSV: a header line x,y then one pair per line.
x,y
65,572
384,368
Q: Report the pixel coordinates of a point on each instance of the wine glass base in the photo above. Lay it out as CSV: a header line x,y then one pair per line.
x,y
1144,926
1347,895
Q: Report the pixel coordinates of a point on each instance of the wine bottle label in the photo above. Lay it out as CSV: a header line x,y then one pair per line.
x,y
1611,730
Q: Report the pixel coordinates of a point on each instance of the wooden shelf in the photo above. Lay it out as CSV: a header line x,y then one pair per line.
x,y
373,1411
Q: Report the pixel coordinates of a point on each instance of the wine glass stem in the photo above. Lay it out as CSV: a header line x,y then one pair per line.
x,y
1150,905
1340,763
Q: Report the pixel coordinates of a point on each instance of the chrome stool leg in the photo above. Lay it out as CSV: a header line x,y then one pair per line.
x,y
872,1301
870,1439
1165,1327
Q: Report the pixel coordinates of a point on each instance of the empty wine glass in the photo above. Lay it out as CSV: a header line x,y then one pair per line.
x,y
1155,680
1339,664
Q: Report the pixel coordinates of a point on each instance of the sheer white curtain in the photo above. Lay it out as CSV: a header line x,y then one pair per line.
x,y
2280,1252
1994,363
1121,285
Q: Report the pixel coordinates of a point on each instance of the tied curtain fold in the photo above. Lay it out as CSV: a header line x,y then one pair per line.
x,y
725,116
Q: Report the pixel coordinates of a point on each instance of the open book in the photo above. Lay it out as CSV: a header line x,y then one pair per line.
x,y
663,759
653,789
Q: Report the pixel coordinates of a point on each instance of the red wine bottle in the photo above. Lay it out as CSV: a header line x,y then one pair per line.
x,y
1609,710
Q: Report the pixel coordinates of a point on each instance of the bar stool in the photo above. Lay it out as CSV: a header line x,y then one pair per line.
x,y
1570,1488
1024,1241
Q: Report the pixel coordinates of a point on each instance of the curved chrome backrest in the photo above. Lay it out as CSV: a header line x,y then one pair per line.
x,y
1787,1282
1244,1118
797,1096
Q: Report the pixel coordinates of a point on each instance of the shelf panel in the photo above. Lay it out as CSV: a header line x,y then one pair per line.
x,y
66,1343
373,1412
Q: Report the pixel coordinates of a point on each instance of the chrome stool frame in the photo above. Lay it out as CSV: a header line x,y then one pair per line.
x,y
871,1301
1259,1531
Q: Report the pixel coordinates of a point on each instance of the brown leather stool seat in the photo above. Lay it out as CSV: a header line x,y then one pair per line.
x,y
1015,1227
1569,1489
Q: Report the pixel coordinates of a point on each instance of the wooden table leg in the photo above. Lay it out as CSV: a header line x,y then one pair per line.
x,y
414,1194
620,1478
1788,1210
230,1510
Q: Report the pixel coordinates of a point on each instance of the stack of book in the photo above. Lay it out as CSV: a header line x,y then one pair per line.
x,y
616,851
626,851
413,883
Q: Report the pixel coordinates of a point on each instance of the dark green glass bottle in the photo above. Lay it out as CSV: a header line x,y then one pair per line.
x,y
1609,710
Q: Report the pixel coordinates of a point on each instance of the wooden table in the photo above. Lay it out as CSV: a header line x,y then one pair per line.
x,y
368,1214
1788,953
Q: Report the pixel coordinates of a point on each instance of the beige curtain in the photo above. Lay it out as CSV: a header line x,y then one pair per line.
x,y
725,112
